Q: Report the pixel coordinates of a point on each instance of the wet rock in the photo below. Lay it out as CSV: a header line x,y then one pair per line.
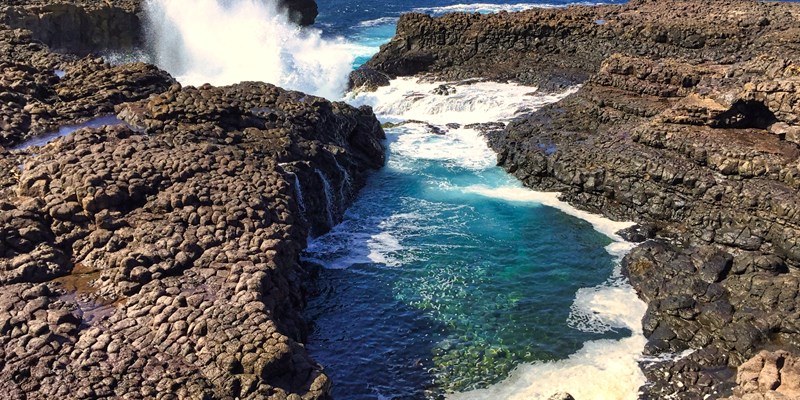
x,y
436,130
301,12
444,90
638,233
367,79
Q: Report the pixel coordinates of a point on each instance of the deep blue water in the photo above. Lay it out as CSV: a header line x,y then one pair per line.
x,y
470,286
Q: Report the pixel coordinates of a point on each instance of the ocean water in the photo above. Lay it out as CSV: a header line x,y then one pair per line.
x,y
447,278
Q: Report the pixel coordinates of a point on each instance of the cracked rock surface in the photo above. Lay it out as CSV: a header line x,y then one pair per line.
x,y
157,256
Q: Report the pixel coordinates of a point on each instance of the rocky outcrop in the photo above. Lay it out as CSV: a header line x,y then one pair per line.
x,y
684,147
301,12
41,90
769,375
687,122
83,27
78,26
554,48
159,257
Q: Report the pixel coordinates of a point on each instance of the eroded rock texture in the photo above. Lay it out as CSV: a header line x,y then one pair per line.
x,y
167,262
769,375
554,48
687,122
78,26
158,258
89,26
41,90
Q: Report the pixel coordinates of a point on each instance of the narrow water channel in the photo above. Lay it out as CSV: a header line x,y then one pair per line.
x,y
446,273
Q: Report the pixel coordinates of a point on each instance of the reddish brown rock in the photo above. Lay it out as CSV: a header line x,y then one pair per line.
x,y
769,375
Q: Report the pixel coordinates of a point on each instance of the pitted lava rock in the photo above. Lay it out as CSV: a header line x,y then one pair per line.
x,y
36,100
771,375
160,258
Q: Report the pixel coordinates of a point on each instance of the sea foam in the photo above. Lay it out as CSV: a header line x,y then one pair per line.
x,y
377,22
519,193
457,148
472,102
228,41
602,369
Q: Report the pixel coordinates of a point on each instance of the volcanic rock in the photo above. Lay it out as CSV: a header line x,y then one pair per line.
x,y
159,258
687,122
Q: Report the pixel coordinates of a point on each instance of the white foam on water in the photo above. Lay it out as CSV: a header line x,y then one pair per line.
x,y
523,194
493,8
377,22
473,102
458,147
601,309
228,41
381,246
602,369
361,241
339,249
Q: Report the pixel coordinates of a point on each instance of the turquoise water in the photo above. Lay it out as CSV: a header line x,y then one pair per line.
x,y
470,288
444,276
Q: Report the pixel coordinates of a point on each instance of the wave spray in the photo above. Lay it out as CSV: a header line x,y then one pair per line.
x,y
223,42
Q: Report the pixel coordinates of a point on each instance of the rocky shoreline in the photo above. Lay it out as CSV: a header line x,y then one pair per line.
x,y
157,257
687,122
82,27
